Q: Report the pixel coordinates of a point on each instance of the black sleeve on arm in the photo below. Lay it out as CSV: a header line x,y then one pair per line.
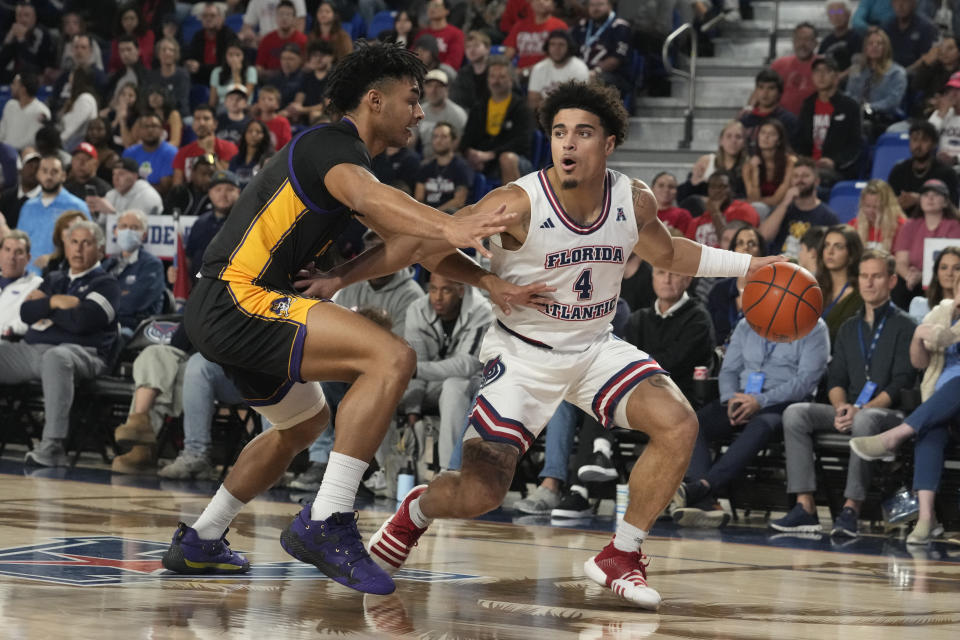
x,y
803,142
316,153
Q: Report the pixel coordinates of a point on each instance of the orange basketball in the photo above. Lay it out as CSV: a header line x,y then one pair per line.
x,y
782,302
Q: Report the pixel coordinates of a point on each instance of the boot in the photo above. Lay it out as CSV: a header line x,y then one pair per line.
x,y
136,430
139,459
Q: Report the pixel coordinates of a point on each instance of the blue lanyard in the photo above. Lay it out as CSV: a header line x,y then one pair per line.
x,y
767,352
868,353
835,300
592,37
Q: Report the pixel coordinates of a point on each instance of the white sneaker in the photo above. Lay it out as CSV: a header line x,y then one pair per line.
x,y
539,503
188,467
377,483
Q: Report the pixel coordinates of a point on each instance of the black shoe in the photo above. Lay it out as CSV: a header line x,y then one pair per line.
x,y
573,504
600,469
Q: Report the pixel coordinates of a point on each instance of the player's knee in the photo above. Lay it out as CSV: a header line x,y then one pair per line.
x,y
401,360
302,435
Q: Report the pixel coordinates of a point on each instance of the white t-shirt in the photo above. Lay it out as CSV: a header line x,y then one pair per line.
x,y
949,128
451,112
19,125
546,75
262,14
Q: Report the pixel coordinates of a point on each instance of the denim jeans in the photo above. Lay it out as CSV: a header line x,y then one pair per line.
x,y
931,421
204,384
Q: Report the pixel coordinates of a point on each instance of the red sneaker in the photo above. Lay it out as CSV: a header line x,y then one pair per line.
x,y
625,573
396,538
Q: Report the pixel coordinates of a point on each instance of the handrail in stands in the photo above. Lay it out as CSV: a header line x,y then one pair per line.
x,y
772,53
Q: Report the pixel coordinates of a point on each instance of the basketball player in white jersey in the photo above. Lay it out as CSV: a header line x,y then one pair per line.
x,y
578,223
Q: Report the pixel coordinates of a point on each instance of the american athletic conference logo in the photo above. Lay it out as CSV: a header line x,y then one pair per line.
x,y
492,370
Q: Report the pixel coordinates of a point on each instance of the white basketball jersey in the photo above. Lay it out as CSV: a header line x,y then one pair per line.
x,y
584,263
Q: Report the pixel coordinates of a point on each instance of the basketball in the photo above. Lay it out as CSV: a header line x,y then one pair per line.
x,y
782,302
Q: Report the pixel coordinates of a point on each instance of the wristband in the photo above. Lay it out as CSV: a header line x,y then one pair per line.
x,y
717,263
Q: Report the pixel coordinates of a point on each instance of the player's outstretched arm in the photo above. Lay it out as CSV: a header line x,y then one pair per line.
x,y
394,212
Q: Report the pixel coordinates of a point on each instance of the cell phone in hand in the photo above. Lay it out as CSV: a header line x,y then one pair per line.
x,y
89,190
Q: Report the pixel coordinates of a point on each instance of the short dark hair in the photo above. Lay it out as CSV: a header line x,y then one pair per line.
x,y
286,3
453,130
319,46
128,38
805,161
203,106
925,127
600,100
880,254
370,64
564,35
768,75
813,237
806,25
30,82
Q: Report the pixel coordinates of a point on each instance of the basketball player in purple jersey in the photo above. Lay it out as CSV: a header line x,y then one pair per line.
x,y
578,223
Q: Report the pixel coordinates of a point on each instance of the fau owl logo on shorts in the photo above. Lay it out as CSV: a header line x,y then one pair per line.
x,y
281,307
492,370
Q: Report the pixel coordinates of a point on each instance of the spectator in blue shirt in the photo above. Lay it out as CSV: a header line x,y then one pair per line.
x,y
910,33
443,182
872,13
153,154
139,272
39,214
759,379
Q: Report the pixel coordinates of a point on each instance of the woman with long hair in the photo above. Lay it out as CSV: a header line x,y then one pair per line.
x,y
404,29
664,187
234,70
879,216
79,109
723,301
122,114
129,22
254,150
838,266
767,175
731,154
880,83
171,76
935,68
943,283
156,99
327,27
939,220
56,260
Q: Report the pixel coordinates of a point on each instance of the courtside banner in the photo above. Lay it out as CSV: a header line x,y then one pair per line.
x,y
161,236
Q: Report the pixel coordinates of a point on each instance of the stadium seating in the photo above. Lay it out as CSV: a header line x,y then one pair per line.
x,y
381,22
891,148
845,199
189,28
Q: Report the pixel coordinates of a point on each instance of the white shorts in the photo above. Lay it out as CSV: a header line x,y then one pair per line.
x,y
524,384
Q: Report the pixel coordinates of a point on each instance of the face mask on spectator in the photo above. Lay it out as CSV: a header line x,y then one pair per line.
x,y
129,239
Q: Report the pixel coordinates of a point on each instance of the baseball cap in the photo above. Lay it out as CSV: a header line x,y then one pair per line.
x,y
128,164
33,155
86,148
954,81
238,88
224,177
438,75
935,185
829,61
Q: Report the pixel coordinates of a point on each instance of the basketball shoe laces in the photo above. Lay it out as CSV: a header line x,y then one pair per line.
x,y
631,567
348,541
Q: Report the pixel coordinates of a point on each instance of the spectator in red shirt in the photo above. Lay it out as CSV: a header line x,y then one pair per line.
x,y
664,188
450,41
515,11
265,110
268,53
720,209
797,70
528,36
208,48
205,126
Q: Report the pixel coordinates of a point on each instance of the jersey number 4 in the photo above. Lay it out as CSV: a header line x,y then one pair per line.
x,y
584,285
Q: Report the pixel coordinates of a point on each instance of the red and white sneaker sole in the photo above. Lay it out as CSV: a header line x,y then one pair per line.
x,y
385,549
631,586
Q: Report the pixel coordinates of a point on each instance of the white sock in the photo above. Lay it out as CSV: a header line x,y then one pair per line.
x,y
338,491
628,538
602,445
416,515
218,515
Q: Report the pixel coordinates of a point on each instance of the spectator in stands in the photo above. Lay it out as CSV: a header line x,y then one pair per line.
x,y
483,16
398,167
604,41
48,143
74,24
72,331
108,152
23,114
79,109
208,47
233,121
122,113
720,209
261,18
205,126
450,41
842,43
879,216
56,260
799,210
829,126
499,131
266,110
272,44
444,180
758,380
514,11
907,176
731,154
190,197
131,69
223,193
872,13
765,105
910,33
138,271
27,46
796,70
38,215
939,220
445,328
864,382
560,65
947,121
234,71
84,57
404,29
769,172
528,36
13,196
82,179
128,192
130,24
153,155
171,76
289,78
438,108
878,84
723,299
309,103
837,266
664,187
327,28
943,283
933,72
254,150
470,87
427,49
15,283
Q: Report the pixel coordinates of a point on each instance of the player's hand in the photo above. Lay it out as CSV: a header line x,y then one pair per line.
x,y
506,294
469,231
317,285
760,263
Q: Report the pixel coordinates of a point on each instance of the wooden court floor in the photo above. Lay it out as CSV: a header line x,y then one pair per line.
x,y
82,560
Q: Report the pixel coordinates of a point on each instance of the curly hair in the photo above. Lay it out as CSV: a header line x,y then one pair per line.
x,y
368,66
602,101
